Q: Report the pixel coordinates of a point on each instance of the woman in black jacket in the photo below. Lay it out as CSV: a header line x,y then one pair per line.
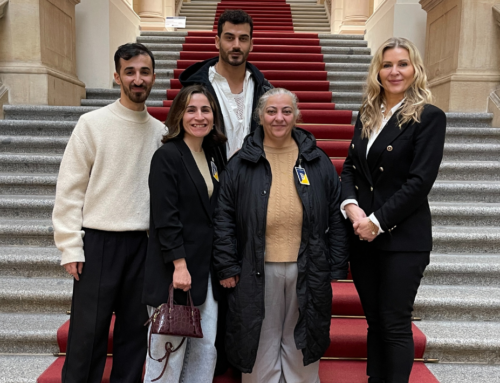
x,y
184,186
279,242
392,164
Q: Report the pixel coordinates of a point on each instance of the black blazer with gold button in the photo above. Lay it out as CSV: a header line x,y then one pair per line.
x,y
181,223
396,178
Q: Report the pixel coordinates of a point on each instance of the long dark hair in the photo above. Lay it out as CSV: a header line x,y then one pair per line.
x,y
176,113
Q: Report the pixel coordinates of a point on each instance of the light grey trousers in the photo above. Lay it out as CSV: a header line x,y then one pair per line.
x,y
195,361
278,360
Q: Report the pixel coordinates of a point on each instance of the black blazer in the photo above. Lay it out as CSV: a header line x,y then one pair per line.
x,y
395,179
181,223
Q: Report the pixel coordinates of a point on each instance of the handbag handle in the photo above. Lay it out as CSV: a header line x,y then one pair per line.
x,y
171,298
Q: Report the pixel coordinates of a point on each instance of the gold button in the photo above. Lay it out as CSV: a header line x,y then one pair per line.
x,y
371,188
389,148
356,187
352,146
381,169
354,167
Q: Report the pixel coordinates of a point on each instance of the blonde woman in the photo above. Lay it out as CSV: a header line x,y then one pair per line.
x,y
392,164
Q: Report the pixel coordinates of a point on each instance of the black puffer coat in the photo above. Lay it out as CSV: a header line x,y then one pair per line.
x,y
239,244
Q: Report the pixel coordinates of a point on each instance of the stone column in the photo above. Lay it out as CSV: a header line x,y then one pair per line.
x,y
152,14
101,27
356,12
400,18
336,15
462,53
37,52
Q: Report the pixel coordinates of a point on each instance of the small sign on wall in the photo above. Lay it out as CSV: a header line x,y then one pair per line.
x,y
175,22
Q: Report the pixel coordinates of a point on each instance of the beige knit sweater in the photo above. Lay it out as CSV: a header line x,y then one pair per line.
x,y
103,178
284,211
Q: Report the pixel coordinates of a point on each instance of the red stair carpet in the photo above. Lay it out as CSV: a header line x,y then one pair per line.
x,y
294,61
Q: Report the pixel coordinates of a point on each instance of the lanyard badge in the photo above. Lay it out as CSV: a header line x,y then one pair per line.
x,y
215,173
302,176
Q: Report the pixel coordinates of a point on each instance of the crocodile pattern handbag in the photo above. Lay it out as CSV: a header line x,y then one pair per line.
x,y
176,320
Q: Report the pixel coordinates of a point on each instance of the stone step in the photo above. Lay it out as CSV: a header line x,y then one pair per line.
x,y
469,171
465,191
461,214
354,107
334,55
26,206
31,261
479,135
42,112
26,232
30,163
462,342
35,295
28,183
347,97
463,269
23,368
469,120
458,303
472,151
36,128
327,58
37,144
321,36
311,29
466,239
179,40
329,67
465,373
33,333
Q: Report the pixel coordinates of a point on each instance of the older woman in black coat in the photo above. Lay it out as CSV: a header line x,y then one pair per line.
x,y
392,164
279,242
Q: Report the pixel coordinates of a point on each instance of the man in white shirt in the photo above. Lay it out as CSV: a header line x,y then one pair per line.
x,y
101,218
236,84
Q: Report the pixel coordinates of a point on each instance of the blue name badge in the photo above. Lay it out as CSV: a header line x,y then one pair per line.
x,y
301,174
215,173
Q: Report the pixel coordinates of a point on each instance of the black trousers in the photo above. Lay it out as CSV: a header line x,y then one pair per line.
x,y
387,283
112,280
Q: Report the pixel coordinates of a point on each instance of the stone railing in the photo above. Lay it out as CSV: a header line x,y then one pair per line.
x,y
178,5
3,4
328,8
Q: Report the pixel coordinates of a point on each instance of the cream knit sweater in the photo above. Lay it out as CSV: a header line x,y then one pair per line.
x,y
103,178
284,210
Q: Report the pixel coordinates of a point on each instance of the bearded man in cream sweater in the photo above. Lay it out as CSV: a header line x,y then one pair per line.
x,y
100,219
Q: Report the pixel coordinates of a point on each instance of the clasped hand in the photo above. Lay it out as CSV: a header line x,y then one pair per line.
x,y
360,222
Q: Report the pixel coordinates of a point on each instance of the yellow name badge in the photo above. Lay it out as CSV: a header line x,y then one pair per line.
x,y
302,176
215,173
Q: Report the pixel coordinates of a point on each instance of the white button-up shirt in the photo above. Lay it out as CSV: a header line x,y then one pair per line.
x,y
236,129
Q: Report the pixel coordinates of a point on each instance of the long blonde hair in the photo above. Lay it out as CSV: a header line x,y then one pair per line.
x,y
416,96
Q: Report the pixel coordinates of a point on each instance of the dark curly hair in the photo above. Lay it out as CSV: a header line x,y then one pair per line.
x,y
234,16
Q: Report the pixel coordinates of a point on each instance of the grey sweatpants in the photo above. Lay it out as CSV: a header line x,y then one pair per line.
x,y
278,360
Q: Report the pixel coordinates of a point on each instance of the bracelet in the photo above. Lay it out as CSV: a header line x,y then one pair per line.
x,y
375,228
